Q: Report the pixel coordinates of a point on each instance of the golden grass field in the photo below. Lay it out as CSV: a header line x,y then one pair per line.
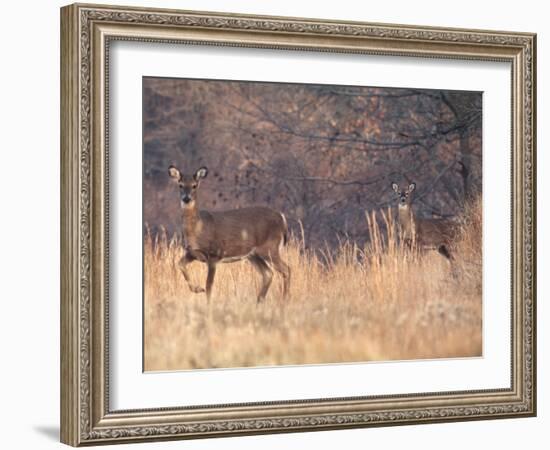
x,y
381,302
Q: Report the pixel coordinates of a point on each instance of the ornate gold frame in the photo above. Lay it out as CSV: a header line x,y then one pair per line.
x,y
86,31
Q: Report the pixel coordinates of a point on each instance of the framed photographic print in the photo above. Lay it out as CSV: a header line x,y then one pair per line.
x,y
276,225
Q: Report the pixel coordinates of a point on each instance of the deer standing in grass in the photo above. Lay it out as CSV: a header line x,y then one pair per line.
x,y
254,233
428,234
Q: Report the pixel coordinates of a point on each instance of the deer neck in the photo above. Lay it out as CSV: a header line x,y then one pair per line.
x,y
191,226
406,219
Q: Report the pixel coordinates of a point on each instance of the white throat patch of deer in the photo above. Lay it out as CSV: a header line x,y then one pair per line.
x,y
427,234
254,233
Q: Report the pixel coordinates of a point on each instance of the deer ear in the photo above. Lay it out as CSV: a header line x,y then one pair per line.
x,y
395,187
174,173
412,187
201,173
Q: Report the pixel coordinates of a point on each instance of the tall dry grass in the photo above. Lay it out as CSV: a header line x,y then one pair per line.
x,y
381,302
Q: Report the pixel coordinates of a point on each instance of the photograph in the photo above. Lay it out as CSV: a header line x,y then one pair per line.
x,y
294,224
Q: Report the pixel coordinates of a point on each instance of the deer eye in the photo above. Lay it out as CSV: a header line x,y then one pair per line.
x,y
194,186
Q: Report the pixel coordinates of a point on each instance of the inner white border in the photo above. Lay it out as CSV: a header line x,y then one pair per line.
x,y
132,389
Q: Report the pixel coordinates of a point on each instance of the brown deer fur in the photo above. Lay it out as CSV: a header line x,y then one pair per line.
x,y
428,234
255,233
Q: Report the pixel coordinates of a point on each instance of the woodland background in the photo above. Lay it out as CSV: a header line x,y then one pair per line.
x,y
322,154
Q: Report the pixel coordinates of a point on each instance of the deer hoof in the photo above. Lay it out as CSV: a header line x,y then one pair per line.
x,y
196,289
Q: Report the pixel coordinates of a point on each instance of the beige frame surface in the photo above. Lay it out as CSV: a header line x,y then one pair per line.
x,y
86,31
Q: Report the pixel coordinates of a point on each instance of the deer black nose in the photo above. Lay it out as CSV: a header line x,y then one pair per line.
x,y
186,199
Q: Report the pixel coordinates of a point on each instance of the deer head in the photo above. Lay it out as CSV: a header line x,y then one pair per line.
x,y
188,185
404,195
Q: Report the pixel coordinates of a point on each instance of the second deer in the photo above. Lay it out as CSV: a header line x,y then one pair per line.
x,y
428,234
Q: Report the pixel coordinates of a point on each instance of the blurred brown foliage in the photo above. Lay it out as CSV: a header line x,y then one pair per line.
x,y
322,154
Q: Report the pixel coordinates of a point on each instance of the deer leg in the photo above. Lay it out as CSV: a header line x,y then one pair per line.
x,y
444,250
210,279
267,274
186,259
280,266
